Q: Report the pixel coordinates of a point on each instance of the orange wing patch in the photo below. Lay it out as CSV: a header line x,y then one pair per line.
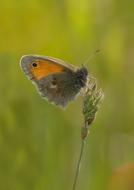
x,y
42,68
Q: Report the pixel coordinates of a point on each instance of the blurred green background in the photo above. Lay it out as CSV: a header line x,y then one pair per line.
x,y
39,142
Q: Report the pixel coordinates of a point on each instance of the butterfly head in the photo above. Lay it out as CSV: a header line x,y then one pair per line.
x,y
81,75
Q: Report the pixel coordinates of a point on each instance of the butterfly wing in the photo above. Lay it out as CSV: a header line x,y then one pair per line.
x,y
59,88
37,67
55,79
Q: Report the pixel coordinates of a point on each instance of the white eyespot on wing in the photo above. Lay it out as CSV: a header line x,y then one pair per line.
x,y
53,86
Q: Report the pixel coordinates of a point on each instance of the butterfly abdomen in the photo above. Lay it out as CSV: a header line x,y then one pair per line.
x,y
81,77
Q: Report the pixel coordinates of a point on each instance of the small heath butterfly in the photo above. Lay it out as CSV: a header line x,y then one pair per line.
x,y
56,80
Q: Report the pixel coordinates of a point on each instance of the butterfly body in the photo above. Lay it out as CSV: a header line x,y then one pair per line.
x,y
55,79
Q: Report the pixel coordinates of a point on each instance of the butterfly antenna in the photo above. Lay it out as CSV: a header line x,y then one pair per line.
x,y
91,57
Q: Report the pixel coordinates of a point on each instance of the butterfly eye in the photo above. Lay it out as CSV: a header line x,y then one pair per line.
x,y
34,64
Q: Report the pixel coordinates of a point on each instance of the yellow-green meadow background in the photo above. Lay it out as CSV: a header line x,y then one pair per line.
x,y
39,143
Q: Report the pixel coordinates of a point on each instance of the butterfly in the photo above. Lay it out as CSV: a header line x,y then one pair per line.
x,y
56,80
